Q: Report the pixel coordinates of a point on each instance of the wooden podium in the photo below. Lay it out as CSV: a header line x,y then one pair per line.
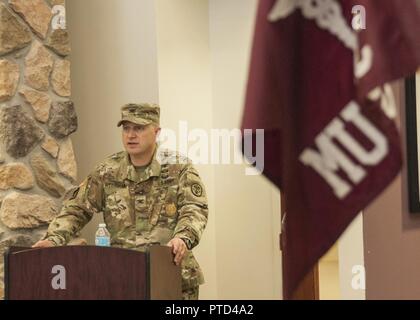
x,y
91,273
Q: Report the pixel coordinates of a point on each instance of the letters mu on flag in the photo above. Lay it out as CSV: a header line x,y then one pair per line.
x,y
320,90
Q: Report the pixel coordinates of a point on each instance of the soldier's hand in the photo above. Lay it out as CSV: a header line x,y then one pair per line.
x,y
179,249
43,244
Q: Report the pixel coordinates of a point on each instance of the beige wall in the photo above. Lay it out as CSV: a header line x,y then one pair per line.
x,y
392,236
247,207
202,77
185,95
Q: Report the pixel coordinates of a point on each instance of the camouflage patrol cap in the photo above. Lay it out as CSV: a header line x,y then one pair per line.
x,y
140,113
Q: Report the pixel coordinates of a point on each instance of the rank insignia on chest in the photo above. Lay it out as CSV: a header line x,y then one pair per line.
x,y
141,199
170,209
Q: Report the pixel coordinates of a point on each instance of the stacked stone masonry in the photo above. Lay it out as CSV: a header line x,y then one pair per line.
x,y
37,117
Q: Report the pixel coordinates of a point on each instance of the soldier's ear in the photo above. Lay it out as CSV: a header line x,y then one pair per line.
x,y
157,131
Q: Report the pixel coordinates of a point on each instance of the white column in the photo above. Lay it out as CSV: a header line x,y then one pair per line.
x,y
352,262
247,207
185,95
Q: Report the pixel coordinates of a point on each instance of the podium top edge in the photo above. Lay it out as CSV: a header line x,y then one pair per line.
x,y
16,250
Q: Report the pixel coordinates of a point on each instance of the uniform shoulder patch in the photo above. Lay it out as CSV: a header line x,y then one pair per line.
x,y
196,190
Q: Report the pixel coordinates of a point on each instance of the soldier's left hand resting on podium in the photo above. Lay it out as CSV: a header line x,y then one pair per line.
x,y
43,244
179,248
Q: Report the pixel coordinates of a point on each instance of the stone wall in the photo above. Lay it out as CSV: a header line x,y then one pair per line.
x,y
37,163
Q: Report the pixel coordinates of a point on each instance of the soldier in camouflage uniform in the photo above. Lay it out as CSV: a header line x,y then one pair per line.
x,y
147,196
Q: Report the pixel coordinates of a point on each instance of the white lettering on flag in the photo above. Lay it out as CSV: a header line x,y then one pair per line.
x,y
330,158
328,15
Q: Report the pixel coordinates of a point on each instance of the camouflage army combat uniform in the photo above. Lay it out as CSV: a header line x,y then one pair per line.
x,y
142,207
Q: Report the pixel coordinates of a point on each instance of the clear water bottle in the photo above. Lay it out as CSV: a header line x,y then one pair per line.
x,y
102,236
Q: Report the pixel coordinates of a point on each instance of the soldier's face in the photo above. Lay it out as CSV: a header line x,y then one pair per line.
x,y
139,140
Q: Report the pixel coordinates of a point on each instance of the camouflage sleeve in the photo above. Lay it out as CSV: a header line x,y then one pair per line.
x,y
77,210
192,207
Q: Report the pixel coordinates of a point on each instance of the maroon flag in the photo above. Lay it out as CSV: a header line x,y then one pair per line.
x,y
320,90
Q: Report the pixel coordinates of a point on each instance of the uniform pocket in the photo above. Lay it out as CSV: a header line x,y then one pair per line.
x,y
117,210
192,275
